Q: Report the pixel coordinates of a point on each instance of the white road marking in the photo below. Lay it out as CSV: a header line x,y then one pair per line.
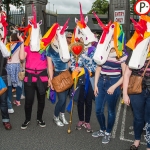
x,y
116,121
123,127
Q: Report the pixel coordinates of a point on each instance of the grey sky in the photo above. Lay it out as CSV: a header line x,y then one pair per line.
x,y
69,6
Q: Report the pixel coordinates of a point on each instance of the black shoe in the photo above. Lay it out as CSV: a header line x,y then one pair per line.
x,y
41,123
133,147
25,124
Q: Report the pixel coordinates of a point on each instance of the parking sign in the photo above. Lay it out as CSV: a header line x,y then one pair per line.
x,y
142,7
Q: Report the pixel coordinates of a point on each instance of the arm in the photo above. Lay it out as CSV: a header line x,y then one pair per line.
x,y
97,75
50,72
5,52
22,53
120,81
126,77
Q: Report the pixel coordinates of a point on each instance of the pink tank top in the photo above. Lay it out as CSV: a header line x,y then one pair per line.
x,y
33,61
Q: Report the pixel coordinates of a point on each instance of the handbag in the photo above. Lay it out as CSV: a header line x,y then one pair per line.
x,y
3,86
135,82
21,75
63,81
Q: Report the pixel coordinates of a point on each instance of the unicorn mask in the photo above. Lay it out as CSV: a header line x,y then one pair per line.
x,y
112,37
3,25
56,37
82,30
139,42
35,36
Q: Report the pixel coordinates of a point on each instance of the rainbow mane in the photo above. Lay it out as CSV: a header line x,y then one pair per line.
x,y
48,37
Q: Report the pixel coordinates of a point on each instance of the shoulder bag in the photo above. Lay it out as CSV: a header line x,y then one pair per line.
x,y
135,82
63,81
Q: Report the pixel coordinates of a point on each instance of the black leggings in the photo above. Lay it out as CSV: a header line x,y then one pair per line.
x,y
29,99
88,103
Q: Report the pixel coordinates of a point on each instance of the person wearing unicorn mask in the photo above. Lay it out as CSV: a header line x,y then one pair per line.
x,y
58,58
108,79
36,80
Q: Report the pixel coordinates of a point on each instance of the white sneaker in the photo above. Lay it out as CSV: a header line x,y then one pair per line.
x,y
11,111
22,97
14,96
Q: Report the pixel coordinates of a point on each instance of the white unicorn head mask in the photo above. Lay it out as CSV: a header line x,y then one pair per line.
x,y
56,37
35,32
82,30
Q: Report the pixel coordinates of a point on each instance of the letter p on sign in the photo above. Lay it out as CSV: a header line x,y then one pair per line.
x,y
142,7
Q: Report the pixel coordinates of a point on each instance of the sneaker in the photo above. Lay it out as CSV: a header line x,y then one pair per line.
x,y
98,133
22,97
57,121
41,123
17,103
87,126
106,138
79,125
7,125
14,95
25,124
11,111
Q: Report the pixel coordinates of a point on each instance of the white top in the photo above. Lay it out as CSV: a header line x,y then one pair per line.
x,y
15,56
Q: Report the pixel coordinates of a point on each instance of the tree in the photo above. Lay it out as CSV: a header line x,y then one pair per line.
x,y
132,2
100,7
16,3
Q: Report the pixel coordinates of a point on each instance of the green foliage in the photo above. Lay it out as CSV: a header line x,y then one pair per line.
x,y
100,7
132,2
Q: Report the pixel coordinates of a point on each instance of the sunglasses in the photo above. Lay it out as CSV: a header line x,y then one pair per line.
x,y
69,37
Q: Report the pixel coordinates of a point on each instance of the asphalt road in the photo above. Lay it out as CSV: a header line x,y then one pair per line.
x,y
56,138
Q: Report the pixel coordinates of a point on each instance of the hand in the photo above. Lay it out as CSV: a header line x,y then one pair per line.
x,y
126,99
79,69
111,90
20,38
96,91
50,84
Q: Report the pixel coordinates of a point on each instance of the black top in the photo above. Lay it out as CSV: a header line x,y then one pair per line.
x,y
138,72
4,65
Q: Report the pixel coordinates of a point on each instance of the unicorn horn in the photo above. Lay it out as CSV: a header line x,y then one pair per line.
x,y
137,25
81,14
99,21
34,16
64,27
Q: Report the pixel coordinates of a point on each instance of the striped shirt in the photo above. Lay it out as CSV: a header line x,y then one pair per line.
x,y
113,66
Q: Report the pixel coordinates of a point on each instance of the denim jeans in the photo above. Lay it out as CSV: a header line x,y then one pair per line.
x,y
61,104
3,104
9,97
62,98
103,85
141,111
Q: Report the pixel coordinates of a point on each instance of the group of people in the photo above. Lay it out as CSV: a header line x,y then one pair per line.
x,y
101,83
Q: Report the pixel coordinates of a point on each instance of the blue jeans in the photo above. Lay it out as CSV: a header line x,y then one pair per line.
x,y
141,111
9,97
62,98
61,104
103,85
3,104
